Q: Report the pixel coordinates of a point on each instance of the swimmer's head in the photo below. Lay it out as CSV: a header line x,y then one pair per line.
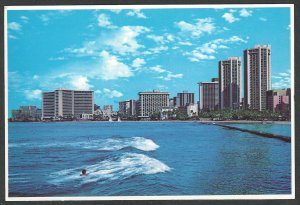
x,y
83,171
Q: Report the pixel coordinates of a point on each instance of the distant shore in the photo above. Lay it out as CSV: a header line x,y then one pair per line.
x,y
185,121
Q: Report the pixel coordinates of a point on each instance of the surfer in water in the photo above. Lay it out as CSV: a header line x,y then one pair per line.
x,y
83,173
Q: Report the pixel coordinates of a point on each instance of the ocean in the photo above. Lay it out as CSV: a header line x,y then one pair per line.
x,y
145,159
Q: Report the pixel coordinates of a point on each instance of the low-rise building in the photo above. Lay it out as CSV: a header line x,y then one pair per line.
x,y
167,113
278,100
87,116
192,110
27,113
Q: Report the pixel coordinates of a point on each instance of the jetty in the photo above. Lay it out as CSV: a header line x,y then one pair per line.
x,y
262,134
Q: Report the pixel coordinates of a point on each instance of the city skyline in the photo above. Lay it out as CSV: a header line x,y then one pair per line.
x,y
197,40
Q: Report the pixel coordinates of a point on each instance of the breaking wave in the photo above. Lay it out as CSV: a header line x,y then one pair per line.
x,y
125,166
111,144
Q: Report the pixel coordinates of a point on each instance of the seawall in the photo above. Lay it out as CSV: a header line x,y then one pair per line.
x,y
262,134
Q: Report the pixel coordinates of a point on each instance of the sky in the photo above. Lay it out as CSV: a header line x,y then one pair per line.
x,y
118,53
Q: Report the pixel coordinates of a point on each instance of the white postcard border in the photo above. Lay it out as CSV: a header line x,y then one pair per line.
x,y
177,197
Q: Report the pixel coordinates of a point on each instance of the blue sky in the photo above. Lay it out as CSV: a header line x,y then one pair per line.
x,y
118,53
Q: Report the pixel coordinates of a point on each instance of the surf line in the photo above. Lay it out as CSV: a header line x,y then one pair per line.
x,y
262,134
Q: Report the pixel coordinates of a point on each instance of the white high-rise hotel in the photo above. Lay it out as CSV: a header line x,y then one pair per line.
x,y
152,102
67,103
257,76
230,83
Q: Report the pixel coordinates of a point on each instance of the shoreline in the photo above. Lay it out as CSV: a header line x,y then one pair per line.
x,y
182,121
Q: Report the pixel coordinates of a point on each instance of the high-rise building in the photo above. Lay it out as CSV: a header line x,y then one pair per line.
x,y
185,98
124,107
279,100
152,102
229,83
133,105
209,95
48,105
127,107
67,103
257,76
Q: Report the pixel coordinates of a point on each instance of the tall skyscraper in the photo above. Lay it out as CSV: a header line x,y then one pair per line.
x,y
257,76
229,83
152,102
209,95
185,98
67,103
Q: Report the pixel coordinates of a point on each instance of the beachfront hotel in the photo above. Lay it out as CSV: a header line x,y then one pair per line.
x,y
151,102
230,83
257,76
209,95
67,103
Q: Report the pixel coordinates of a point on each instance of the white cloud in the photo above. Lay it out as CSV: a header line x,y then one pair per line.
x,y
124,39
158,69
245,13
158,49
282,80
206,50
111,68
284,74
45,19
33,94
170,76
170,37
157,39
112,93
196,56
104,21
56,59
87,50
137,13
201,26
80,82
230,18
185,43
232,39
138,62
12,36
35,77
97,91
263,19
14,26
116,11
25,19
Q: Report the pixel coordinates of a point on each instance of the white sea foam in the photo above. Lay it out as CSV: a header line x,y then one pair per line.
x,y
113,144
108,144
125,166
